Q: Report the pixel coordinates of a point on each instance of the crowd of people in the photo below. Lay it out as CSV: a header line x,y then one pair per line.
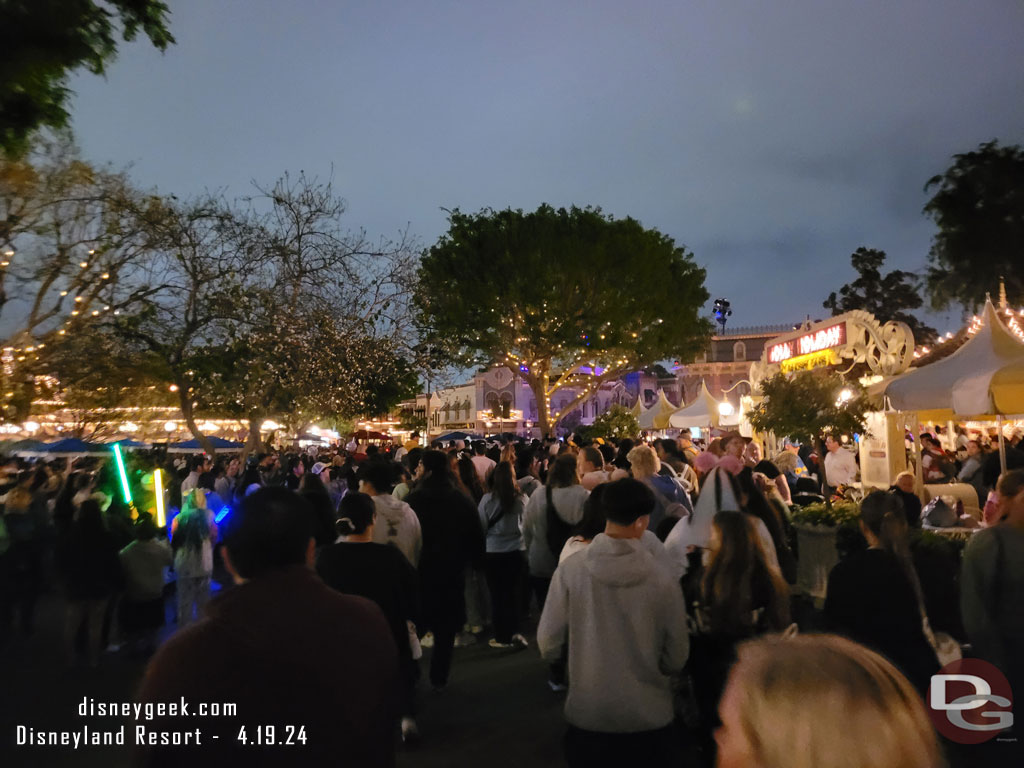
x,y
659,575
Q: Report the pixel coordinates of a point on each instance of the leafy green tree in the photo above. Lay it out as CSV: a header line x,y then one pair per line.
x,y
808,405
566,298
888,297
43,41
978,207
616,423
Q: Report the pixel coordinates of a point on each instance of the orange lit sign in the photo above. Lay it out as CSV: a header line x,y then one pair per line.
x,y
815,341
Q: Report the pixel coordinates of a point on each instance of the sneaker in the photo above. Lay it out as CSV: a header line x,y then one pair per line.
x,y
427,641
557,687
410,732
520,642
493,642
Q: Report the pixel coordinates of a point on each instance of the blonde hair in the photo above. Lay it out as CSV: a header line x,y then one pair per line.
x,y
643,461
823,700
786,462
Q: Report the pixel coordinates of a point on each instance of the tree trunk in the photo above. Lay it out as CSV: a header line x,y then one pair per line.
x,y
185,401
539,395
253,444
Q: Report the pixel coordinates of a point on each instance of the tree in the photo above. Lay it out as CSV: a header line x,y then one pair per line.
x,y
201,264
979,209
92,379
808,405
567,299
45,40
616,423
75,243
887,297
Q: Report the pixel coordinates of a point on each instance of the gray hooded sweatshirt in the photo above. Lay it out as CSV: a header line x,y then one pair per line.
x,y
627,620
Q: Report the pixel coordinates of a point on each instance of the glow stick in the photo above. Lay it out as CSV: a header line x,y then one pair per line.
x,y
158,488
222,514
123,474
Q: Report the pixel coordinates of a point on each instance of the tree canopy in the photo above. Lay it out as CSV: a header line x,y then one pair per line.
x,y
566,298
978,207
808,405
43,41
888,297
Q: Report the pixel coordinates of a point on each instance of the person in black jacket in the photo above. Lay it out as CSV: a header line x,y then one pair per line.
x,y
874,596
379,572
452,539
90,570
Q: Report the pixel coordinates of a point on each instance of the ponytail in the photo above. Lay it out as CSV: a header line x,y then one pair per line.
x,y
357,512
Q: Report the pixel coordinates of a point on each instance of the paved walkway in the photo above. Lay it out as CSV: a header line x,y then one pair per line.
x,y
497,710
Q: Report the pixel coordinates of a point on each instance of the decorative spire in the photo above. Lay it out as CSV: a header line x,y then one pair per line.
x,y
1003,305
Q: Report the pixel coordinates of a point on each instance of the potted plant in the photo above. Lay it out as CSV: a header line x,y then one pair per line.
x,y
817,529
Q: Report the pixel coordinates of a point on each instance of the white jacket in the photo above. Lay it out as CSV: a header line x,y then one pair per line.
x,y
397,524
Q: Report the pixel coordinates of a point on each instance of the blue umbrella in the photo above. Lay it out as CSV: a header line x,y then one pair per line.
x,y
191,446
73,446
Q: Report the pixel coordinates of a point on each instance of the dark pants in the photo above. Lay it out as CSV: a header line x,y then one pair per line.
x,y
441,658
539,586
593,749
505,572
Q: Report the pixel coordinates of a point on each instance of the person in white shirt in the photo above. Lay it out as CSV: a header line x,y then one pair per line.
x,y
483,464
840,464
396,523
198,465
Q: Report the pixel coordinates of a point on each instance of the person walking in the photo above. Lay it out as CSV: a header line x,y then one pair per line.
x,y
874,597
452,540
501,514
356,565
550,516
90,573
626,619
193,536
992,584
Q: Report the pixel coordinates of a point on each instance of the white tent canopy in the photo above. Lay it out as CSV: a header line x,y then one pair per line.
x,y
702,412
657,416
963,382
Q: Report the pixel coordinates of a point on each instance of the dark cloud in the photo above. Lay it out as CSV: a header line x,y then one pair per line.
x,y
772,139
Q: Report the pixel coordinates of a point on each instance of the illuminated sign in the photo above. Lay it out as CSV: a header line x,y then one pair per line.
x,y
807,362
815,341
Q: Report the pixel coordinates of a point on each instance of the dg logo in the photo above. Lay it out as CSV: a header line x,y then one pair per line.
x,y
970,701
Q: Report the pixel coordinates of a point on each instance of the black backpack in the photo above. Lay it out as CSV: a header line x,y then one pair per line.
x,y
559,531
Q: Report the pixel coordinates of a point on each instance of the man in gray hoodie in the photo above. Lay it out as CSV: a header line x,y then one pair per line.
x,y
627,620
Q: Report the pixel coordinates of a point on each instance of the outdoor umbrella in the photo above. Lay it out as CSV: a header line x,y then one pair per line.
x,y
73,446
193,446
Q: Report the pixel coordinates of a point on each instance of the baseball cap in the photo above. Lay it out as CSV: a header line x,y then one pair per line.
x,y
317,468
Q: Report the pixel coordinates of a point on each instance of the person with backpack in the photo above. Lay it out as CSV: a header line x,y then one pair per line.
x,y
551,516
549,520
501,514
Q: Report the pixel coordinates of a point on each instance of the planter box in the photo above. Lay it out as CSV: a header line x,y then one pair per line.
x,y
817,556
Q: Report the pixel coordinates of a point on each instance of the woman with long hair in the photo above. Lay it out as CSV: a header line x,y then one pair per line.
x,y
90,572
501,514
452,539
874,596
821,700
740,596
193,536
470,478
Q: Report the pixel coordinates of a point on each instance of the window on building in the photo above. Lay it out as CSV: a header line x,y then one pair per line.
x,y
739,352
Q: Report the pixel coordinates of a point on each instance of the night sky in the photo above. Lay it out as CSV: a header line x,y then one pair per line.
x,y
770,138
